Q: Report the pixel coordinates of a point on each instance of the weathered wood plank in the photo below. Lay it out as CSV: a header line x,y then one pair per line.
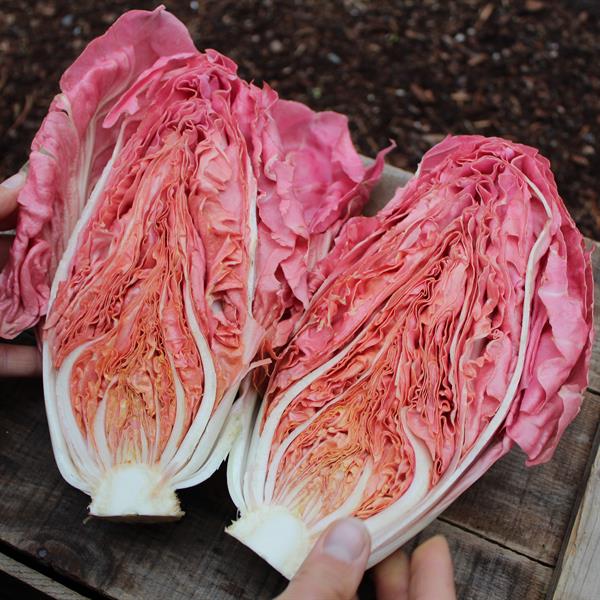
x,y
486,570
391,179
594,383
578,574
45,518
33,580
528,509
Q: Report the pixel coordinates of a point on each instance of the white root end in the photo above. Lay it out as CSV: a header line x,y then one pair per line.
x,y
276,535
134,491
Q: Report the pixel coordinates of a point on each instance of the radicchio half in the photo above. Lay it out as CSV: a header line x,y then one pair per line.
x,y
455,323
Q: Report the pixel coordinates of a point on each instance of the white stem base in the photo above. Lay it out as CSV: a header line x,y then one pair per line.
x,y
276,535
134,491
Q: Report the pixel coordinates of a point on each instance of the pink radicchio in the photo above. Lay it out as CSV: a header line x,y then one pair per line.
x,y
170,217
453,324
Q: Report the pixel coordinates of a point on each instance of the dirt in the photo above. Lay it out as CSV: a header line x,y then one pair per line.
x,y
410,71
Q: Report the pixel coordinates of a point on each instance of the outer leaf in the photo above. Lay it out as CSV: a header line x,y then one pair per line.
x,y
70,151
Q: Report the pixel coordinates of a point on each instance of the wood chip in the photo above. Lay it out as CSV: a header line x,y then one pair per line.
x,y
534,5
580,160
421,94
486,12
460,96
477,59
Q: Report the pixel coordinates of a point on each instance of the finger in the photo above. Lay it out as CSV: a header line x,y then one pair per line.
x,y
19,361
9,191
391,577
431,572
334,568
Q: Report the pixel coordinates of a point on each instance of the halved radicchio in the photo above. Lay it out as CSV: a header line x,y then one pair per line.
x,y
453,324
177,210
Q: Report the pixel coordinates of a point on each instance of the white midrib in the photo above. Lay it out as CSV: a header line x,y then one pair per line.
x,y
209,393
259,463
65,464
379,524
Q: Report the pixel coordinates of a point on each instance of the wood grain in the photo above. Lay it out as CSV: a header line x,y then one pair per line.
x,y
528,509
391,179
594,382
579,572
484,570
45,518
31,581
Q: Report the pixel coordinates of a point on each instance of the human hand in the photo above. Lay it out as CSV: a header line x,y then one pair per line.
x,y
15,360
334,568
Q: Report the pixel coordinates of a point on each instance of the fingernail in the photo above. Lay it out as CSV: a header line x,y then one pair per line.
x,y
346,540
14,181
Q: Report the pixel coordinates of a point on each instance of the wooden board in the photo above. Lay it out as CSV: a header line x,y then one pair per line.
x,y
528,509
594,383
44,517
578,575
484,570
19,580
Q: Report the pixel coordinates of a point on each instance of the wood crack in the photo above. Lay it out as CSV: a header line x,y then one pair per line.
x,y
52,581
495,542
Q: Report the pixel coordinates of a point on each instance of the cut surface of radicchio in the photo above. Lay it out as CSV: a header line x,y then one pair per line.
x,y
453,324
169,220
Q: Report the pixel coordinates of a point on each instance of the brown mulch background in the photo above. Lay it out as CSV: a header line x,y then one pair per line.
x,y
411,71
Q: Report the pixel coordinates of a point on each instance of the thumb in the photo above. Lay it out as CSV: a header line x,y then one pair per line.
x,y
335,566
9,192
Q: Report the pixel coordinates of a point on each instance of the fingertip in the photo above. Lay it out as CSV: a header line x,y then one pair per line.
x,y
346,540
20,361
9,192
438,542
431,570
14,182
334,568
392,576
